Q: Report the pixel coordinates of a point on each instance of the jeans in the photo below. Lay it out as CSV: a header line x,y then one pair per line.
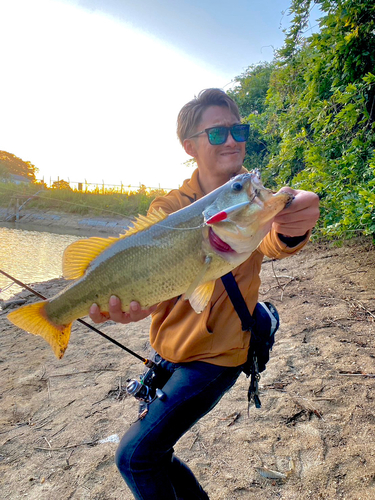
x,y
145,456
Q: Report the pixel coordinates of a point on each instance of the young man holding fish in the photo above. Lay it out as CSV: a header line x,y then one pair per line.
x,y
203,352
222,219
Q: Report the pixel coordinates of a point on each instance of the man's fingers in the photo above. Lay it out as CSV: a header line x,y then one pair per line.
x,y
96,315
135,313
115,311
300,216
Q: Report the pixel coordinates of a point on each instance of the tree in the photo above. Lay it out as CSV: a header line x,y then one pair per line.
x,y
61,184
318,119
250,95
11,164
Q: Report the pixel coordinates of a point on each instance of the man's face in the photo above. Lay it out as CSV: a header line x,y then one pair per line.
x,y
216,163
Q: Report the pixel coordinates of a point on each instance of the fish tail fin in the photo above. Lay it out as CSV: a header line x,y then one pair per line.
x,y
33,319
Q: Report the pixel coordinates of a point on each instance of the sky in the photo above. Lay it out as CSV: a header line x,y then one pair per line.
x,y
91,89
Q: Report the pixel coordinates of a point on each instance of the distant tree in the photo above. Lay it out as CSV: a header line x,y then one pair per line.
x,y
61,184
11,164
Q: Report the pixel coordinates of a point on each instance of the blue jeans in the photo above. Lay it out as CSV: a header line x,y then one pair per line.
x,y
145,456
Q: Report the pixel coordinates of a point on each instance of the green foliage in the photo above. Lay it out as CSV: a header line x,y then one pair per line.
x,y
61,184
4,172
250,95
251,88
76,202
318,118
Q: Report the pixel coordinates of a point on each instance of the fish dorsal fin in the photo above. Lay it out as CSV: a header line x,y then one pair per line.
x,y
201,296
143,222
78,256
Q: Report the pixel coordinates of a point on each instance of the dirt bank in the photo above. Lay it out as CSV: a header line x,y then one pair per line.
x,y
317,416
58,222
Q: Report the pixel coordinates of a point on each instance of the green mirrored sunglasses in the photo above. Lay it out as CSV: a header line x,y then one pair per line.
x,y
219,135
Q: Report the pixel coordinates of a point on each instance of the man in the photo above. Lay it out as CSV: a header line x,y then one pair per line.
x,y
203,353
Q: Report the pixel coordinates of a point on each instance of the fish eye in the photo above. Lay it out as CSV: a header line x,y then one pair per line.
x,y
237,186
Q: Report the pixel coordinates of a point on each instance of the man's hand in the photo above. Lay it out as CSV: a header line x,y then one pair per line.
x,y
116,314
300,216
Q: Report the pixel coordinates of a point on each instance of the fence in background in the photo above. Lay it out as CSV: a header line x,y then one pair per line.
x,y
102,187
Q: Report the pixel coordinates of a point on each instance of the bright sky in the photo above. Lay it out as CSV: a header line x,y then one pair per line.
x,y
91,89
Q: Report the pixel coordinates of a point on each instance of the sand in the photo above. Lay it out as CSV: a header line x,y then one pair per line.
x,y
60,418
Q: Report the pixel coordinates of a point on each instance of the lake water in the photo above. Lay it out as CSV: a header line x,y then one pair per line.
x,y
30,256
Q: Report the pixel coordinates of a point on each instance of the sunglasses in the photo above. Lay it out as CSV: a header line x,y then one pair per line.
x,y
219,135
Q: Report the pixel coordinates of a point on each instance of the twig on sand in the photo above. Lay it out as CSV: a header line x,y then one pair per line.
x,y
85,443
357,374
306,405
273,474
280,285
62,428
270,474
361,306
232,417
194,441
49,444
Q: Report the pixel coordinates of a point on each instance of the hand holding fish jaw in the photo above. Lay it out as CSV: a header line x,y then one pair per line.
x,y
116,314
300,216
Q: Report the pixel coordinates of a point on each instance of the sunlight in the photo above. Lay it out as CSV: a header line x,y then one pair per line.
x,y
91,99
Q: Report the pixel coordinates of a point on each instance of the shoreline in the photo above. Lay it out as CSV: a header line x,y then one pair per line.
x,y
62,223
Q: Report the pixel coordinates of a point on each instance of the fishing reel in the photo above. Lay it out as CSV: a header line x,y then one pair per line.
x,y
149,386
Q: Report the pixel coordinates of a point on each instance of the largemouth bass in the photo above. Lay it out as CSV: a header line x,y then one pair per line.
x,y
159,258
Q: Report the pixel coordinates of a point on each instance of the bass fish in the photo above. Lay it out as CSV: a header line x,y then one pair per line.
x,y
159,258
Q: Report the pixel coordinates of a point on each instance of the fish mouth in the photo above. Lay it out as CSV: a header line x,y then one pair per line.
x,y
218,244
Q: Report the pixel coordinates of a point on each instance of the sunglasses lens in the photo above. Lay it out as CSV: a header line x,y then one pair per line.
x,y
217,135
240,133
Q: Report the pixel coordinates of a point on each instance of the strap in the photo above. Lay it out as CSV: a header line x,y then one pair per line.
x,y
239,304
247,322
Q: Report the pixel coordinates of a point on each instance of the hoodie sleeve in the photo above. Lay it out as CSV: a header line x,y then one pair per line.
x,y
274,248
169,203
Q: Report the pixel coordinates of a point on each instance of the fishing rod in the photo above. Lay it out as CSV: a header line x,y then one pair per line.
x,y
146,361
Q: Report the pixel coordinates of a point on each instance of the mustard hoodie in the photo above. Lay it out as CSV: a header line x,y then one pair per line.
x,y
215,336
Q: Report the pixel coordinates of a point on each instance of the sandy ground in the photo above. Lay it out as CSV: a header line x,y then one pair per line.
x,y
318,411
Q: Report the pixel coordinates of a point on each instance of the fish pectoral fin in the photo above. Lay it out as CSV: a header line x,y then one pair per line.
x,y
33,319
78,256
198,293
199,278
201,296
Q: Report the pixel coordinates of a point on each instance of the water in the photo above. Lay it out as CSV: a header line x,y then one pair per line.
x,y
30,256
